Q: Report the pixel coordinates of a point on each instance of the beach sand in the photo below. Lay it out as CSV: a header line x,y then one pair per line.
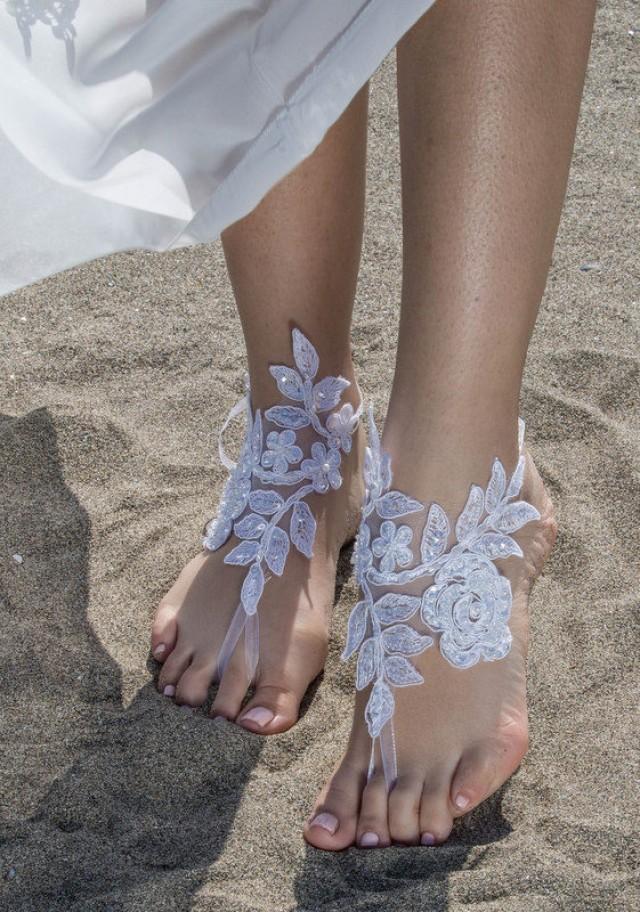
x,y
115,378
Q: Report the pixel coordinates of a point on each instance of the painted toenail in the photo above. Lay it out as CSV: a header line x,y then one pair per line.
x,y
326,821
427,839
160,648
169,690
369,840
259,714
462,802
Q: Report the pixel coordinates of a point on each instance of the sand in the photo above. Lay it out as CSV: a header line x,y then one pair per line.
x,y
115,377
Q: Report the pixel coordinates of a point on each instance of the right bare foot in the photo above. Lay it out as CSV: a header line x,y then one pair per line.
x,y
295,611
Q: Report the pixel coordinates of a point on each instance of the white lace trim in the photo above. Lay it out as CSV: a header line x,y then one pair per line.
x,y
254,515
468,601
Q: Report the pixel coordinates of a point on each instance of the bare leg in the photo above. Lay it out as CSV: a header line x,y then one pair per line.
x,y
489,94
293,262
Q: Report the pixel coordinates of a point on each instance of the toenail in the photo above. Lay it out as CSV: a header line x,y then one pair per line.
x,y
169,690
462,802
326,821
160,648
427,839
369,840
259,714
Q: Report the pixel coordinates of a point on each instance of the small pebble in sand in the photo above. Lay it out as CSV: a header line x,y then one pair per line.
x,y
23,319
590,266
11,873
18,558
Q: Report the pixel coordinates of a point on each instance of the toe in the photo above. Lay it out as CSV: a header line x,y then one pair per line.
x,y
404,811
436,819
373,827
272,709
193,686
231,690
333,823
171,671
164,631
483,768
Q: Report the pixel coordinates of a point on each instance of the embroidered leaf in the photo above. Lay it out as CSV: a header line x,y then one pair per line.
x,y
436,532
277,550
495,545
394,606
515,515
326,393
305,355
256,438
394,504
400,672
243,553
251,526
216,533
356,628
516,479
288,416
470,516
289,381
380,708
404,639
302,528
252,588
496,486
265,502
366,667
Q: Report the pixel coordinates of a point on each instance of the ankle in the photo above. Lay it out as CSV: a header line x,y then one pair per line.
x,y
439,459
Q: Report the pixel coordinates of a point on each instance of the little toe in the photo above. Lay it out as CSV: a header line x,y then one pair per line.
x,y
373,827
436,818
164,631
271,710
231,690
193,687
404,811
172,670
333,823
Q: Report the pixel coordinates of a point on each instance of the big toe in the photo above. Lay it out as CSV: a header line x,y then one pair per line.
x,y
271,710
482,769
334,821
164,631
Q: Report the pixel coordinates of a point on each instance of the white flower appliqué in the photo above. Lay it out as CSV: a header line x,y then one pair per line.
x,y
265,521
467,601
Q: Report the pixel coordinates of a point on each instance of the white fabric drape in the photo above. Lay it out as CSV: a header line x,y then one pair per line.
x,y
157,123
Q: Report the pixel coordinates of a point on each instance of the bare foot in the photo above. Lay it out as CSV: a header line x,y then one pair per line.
x,y
460,735
295,604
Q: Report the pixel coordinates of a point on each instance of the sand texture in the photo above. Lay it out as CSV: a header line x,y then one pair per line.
x,y
114,379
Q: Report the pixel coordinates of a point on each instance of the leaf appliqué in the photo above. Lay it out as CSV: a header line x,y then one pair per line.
x,y
277,550
356,629
395,606
305,355
243,553
303,528
395,503
435,535
288,416
252,589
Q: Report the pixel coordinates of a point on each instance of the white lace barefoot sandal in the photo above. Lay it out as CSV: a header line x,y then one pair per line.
x,y
468,601
252,508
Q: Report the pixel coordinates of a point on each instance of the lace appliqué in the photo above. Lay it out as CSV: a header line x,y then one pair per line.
x,y
468,601
266,521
